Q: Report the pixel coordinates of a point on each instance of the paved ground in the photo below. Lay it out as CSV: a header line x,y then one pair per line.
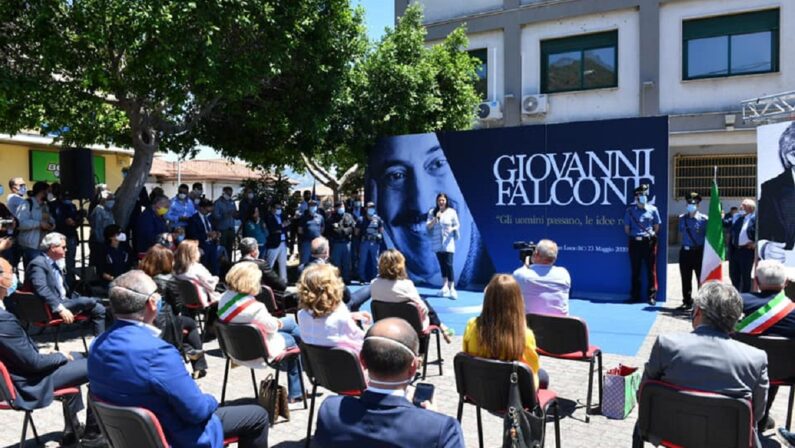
x,y
569,379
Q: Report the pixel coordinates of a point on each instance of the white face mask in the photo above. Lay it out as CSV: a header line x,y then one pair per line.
x,y
50,197
121,237
23,189
61,264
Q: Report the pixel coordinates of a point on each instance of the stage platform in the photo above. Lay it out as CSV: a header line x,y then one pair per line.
x,y
615,327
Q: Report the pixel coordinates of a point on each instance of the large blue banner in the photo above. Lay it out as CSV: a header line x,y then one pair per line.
x,y
569,182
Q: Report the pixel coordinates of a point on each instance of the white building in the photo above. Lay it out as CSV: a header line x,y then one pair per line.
x,y
693,60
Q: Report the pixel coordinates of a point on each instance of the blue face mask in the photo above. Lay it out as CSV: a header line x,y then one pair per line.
x,y
691,208
643,199
341,210
357,204
180,238
278,212
370,211
14,284
1,190
312,209
159,305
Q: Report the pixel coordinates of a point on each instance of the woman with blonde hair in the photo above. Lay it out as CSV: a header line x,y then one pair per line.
x,y
188,267
239,305
393,285
324,319
500,332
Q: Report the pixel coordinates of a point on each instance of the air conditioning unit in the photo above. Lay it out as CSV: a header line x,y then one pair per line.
x,y
534,104
489,110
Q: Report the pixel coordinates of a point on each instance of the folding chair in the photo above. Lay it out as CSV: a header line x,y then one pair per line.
x,y
31,309
190,294
409,312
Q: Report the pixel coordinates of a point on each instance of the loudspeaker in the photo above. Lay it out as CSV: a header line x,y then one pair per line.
x,y
77,172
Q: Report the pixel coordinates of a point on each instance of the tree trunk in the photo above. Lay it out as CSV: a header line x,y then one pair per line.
x,y
130,188
324,176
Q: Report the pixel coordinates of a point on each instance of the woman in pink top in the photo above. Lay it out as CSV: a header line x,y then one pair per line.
x,y
323,319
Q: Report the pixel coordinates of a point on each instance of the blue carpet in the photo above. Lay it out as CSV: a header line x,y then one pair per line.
x,y
617,328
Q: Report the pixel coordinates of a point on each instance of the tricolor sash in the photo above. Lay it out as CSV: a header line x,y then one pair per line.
x,y
767,316
234,307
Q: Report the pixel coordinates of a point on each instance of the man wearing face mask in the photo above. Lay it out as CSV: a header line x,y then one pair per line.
x,y
200,228
355,207
692,228
224,214
339,230
196,193
101,217
181,209
150,224
18,189
382,413
641,224
276,243
310,226
744,246
371,232
34,221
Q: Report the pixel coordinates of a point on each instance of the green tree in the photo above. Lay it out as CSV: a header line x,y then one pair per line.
x,y
397,86
148,74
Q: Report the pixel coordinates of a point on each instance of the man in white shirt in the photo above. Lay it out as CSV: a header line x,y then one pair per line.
x,y
545,287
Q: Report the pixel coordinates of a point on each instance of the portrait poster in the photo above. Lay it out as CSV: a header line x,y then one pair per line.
x,y
776,188
569,182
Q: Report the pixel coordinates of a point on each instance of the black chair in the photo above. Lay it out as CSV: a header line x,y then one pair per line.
x,y
567,338
671,416
485,383
132,427
780,363
31,309
409,312
8,395
334,368
190,294
245,342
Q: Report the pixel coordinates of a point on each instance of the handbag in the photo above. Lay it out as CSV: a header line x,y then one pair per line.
x,y
273,398
620,390
517,426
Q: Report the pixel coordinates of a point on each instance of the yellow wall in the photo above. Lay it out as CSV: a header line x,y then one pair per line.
x,y
14,161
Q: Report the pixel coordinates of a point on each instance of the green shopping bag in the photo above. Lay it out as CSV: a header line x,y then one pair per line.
x,y
620,391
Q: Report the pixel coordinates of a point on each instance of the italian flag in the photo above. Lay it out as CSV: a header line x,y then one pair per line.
x,y
234,307
714,248
766,316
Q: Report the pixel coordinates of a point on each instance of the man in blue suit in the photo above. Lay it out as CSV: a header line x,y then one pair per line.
x,y
130,365
36,375
744,246
150,224
200,228
383,416
46,278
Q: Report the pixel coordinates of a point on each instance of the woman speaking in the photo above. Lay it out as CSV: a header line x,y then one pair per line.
x,y
443,225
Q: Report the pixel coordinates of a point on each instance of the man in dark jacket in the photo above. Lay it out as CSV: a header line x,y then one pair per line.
x,y
249,251
151,224
339,231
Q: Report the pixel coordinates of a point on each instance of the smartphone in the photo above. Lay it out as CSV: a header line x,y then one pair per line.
x,y
423,392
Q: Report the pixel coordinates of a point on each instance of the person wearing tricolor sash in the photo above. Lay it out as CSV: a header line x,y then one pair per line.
x,y
238,305
769,311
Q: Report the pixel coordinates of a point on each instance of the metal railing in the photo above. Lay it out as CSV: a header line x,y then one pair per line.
x,y
736,174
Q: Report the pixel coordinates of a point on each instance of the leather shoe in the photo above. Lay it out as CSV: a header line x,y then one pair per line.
x,y
652,301
787,436
685,307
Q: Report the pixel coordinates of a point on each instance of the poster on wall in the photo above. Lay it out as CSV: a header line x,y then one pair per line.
x,y
46,166
569,182
776,187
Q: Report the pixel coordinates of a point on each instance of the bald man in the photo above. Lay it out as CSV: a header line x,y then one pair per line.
x,y
390,354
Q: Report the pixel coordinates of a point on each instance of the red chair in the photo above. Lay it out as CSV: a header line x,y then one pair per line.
x,y
675,416
31,309
485,383
334,368
245,342
8,394
132,427
268,297
409,312
567,338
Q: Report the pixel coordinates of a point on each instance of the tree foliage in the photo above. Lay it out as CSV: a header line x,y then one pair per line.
x,y
148,74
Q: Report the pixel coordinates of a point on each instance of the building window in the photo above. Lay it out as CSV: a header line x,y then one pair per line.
x,y
482,84
732,45
582,62
736,175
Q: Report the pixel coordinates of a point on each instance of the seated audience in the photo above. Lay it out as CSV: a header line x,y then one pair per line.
x,y
187,267
158,264
319,250
130,365
151,223
501,332
45,277
383,414
249,251
200,228
323,319
707,358
239,306
36,375
768,312
117,259
393,285
545,287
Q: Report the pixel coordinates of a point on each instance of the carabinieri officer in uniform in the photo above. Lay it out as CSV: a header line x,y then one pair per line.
x,y
641,224
693,228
